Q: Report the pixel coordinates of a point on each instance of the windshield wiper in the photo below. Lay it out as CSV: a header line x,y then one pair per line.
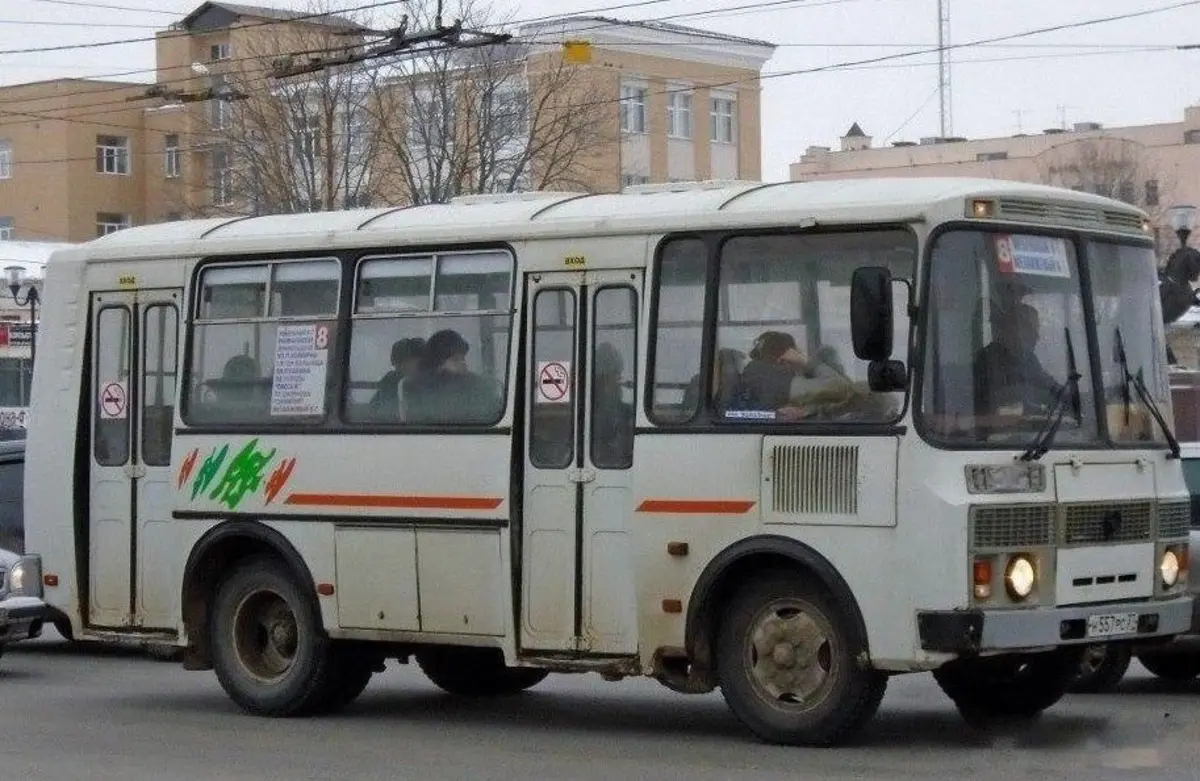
x,y
1139,385
1068,391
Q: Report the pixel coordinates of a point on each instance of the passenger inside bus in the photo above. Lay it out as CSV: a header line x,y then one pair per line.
x,y
1007,372
445,390
779,372
387,405
241,393
612,418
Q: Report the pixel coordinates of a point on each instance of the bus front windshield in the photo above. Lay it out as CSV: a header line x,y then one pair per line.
x,y
1005,335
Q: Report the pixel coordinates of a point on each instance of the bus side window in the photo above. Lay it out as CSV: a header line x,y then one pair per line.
x,y
679,330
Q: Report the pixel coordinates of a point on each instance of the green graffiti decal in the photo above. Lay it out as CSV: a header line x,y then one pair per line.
x,y
208,470
243,476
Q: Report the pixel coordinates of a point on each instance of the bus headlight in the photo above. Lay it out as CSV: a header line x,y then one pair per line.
x,y
1020,576
1169,568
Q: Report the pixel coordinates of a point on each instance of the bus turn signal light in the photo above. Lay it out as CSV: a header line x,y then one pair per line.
x,y
50,580
982,577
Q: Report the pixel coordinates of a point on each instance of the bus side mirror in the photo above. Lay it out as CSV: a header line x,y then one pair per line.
x,y
887,376
871,313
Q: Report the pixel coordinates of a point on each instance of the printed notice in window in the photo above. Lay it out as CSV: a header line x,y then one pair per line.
x,y
301,353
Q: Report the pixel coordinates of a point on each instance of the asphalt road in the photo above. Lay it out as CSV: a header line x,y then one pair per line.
x,y
67,715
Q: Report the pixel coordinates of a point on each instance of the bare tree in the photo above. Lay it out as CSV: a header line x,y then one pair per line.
x,y
1110,166
500,118
292,145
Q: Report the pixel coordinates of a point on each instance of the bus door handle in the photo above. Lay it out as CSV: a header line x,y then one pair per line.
x,y
134,471
581,475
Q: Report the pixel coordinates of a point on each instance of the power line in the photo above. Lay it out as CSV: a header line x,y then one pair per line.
x,y
914,115
854,64
81,4
146,39
32,23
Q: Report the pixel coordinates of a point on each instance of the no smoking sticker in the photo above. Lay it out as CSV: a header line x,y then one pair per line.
x,y
554,382
113,401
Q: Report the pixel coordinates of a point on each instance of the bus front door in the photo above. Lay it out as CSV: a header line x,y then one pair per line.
x,y
132,386
577,559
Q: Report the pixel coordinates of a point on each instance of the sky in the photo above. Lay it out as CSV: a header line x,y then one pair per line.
x,y
1126,72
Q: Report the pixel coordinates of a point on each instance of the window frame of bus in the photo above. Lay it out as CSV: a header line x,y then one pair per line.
x,y
433,255
195,322
1076,237
702,417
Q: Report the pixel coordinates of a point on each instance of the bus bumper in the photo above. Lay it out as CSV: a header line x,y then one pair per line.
x,y
974,631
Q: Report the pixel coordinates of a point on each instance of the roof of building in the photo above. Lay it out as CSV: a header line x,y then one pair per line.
x,y
654,209
263,12
665,27
855,132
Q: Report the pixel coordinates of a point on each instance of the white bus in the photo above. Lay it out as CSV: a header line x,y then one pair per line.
x,y
679,432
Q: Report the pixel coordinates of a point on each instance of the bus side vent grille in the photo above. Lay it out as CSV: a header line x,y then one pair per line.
x,y
815,479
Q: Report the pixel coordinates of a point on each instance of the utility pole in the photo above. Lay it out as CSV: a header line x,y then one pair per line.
x,y
945,97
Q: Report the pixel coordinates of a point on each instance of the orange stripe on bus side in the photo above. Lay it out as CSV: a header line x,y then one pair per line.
x,y
405,502
696,506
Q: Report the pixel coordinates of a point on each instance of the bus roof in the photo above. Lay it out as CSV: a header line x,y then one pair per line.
x,y
648,209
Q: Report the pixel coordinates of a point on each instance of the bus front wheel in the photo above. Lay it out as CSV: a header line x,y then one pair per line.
x,y
476,672
269,652
1008,688
789,664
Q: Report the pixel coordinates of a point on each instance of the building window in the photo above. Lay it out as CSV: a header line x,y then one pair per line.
x,y
112,155
679,114
984,157
1152,192
6,228
222,177
721,125
630,180
5,159
171,158
218,51
107,223
633,109
1191,137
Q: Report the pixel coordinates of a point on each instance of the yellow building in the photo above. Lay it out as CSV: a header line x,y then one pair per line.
x,y
80,158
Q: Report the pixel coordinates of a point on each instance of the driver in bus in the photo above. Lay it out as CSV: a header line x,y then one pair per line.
x,y
1007,372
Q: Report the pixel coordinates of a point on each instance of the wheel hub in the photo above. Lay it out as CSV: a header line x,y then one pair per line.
x,y
791,656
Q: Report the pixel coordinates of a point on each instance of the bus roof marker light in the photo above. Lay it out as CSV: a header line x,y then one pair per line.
x,y
980,208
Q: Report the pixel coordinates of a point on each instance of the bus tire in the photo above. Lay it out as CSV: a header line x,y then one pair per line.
x,y
789,664
269,652
351,671
1101,669
1013,688
1175,667
476,672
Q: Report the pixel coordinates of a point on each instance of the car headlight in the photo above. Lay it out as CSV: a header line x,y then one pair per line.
x,y
25,578
1020,576
1169,568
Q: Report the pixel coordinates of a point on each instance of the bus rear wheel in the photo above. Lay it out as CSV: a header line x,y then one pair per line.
x,y
789,664
269,652
1008,688
476,672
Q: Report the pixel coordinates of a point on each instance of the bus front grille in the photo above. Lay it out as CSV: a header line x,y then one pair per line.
x,y
1174,519
1013,526
1106,522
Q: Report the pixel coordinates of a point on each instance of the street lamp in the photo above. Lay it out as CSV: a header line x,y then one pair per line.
x,y
16,281
1182,219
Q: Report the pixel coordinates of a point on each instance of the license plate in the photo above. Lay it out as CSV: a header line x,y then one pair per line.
x,y
1110,624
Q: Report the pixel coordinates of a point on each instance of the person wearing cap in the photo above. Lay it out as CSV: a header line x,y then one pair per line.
x,y
387,403
445,390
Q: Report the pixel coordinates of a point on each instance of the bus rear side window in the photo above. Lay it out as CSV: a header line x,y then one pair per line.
x,y
261,342
429,339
